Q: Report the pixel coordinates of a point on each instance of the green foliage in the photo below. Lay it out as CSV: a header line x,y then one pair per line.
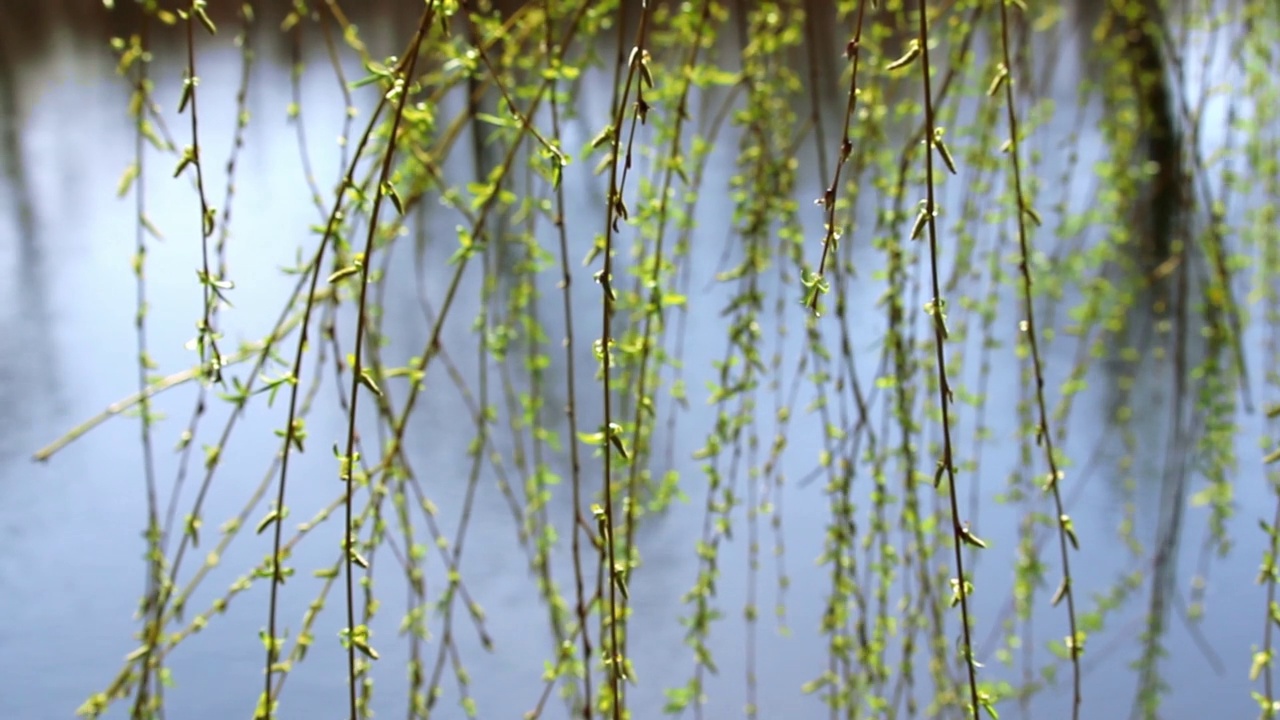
x,y
862,339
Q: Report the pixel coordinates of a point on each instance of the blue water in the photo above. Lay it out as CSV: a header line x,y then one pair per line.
x,y
71,568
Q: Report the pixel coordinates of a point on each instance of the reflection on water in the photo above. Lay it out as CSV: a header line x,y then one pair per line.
x,y
70,570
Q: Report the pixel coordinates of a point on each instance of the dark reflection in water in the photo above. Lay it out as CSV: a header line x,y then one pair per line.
x,y
70,569
29,373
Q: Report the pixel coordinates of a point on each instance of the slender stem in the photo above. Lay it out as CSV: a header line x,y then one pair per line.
x,y
939,333
402,78
1044,436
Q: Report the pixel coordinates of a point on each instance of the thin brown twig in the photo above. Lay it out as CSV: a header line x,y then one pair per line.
x,y
1044,436
938,308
